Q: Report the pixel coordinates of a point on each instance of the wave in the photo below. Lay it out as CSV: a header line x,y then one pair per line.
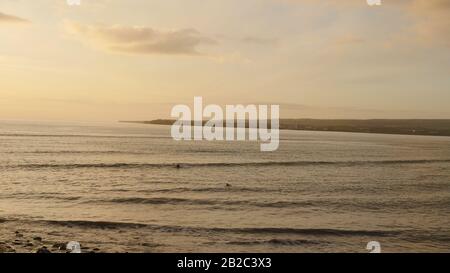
x,y
403,205
81,135
220,204
78,152
224,164
223,204
282,242
40,196
250,230
212,189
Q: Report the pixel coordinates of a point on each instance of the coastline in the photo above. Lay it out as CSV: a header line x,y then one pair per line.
x,y
33,239
418,127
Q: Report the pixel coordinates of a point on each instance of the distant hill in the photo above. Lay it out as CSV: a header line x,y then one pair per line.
x,y
431,127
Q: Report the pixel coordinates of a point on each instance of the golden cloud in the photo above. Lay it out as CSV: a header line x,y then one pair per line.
x,y
141,40
11,19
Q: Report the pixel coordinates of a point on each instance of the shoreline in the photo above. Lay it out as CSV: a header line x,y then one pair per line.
x,y
410,127
31,239
18,242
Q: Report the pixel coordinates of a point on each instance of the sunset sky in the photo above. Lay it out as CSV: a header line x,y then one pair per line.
x,y
134,59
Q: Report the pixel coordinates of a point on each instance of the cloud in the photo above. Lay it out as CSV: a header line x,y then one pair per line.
x,y
141,40
11,19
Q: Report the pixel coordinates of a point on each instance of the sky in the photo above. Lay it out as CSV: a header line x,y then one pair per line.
x,y
109,60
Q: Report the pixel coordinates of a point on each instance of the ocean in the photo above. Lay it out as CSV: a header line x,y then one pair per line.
x,y
116,187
